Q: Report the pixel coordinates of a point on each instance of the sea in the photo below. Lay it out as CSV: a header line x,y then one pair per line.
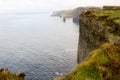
x,y
38,44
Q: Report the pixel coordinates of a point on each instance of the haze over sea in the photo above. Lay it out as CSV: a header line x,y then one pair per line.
x,y
37,44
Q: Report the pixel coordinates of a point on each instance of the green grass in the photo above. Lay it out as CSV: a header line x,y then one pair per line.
x,y
101,64
106,17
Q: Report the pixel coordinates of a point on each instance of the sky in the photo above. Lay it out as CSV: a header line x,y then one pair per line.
x,y
49,5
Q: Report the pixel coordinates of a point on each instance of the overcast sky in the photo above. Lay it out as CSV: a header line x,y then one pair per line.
x,y
49,5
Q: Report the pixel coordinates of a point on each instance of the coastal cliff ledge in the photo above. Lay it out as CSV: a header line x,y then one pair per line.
x,y
98,48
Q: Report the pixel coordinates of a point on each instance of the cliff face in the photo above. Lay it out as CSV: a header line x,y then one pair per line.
x,y
96,28
99,47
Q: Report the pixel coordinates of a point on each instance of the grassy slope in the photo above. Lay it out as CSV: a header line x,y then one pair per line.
x,y
7,75
101,64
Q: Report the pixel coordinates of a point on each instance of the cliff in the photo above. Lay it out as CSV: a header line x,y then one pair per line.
x,y
73,13
63,14
97,27
99,46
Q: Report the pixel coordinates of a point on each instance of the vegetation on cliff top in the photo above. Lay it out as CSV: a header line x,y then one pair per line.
x,y
101,64
7,75
106,17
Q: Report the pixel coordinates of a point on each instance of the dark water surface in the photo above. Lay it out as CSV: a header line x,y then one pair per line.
x,y
37,44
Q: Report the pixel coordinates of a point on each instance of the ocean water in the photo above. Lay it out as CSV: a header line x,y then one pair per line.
x,y
39,45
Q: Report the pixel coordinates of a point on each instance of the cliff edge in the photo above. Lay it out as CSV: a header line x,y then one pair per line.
x,y
99,46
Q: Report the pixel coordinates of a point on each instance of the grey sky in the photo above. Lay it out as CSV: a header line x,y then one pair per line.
x,y
49,5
